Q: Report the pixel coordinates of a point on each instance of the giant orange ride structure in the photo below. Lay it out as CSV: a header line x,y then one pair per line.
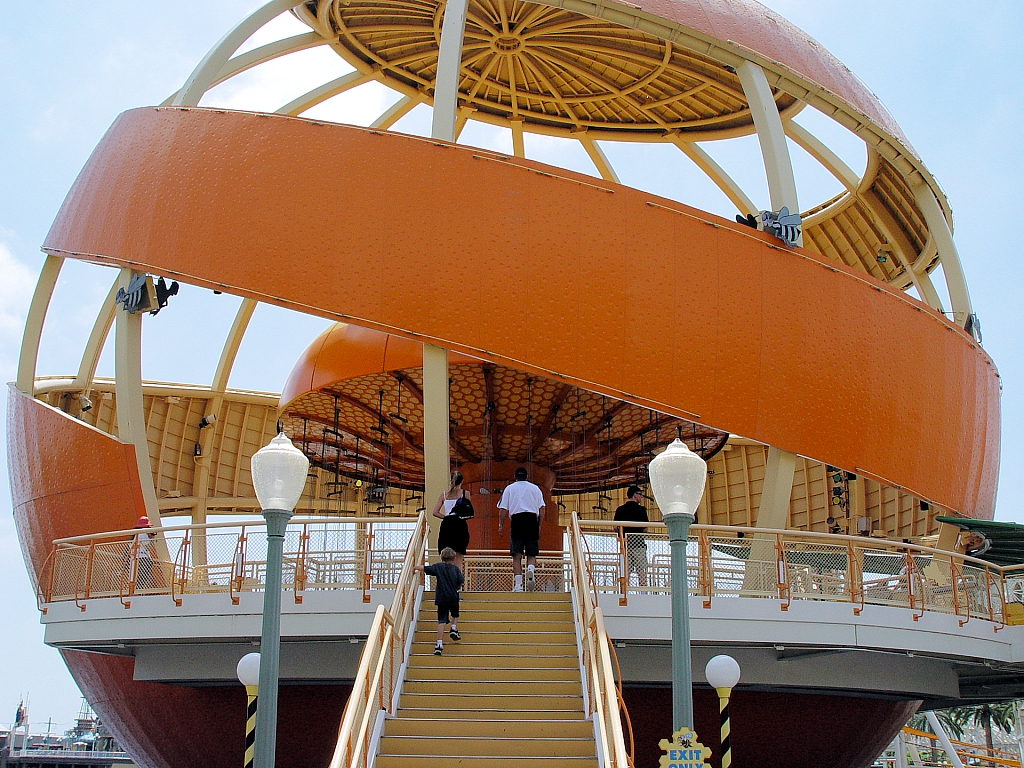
x,y
781,364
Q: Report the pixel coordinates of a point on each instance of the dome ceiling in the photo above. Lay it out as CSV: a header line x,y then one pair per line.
x,y
371,427
547,67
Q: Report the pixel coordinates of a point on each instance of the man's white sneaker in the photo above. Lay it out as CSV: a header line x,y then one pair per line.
x,y
531,579
517,588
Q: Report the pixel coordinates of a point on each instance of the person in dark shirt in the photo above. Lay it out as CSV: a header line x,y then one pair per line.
x,y
636,548
448,580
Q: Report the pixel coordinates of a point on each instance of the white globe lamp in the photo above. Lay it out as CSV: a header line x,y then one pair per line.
x,y
248,670
677,477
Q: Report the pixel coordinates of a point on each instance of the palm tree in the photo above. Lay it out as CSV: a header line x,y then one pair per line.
x,y
1001,715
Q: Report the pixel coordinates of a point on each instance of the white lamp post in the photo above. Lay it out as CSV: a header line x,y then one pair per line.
x,y
677,479
723,673
278,475
248,671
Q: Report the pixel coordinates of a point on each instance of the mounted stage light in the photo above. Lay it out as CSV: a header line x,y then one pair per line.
x,y
163,293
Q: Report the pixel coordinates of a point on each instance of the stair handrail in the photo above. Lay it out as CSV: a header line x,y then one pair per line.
x,y
376,677
603,699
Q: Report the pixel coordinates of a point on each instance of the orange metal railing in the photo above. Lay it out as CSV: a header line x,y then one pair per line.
x,y
970,754
320,553
634,558
625,559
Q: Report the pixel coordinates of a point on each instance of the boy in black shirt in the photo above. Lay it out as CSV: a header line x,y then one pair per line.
x,y
636,548
447,582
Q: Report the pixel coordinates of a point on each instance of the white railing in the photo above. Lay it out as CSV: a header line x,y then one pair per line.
x,y
730,562
382,658
321,553
604,699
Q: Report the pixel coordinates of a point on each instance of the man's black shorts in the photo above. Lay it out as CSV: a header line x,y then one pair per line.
x,y
444,610
525,534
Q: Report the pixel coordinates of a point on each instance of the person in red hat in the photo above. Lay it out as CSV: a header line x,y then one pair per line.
x,y
144,554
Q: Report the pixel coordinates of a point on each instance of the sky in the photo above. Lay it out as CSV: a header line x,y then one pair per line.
x,y
951,79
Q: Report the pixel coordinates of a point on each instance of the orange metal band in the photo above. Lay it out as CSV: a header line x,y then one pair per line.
x,y
605,286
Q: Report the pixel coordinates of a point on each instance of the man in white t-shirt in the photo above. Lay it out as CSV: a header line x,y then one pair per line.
x,y
523,503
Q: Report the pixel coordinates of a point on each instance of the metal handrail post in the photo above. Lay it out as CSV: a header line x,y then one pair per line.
x,y
270,639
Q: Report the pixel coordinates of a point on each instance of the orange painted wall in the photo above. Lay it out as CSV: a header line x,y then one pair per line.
x,y
555,272
67,478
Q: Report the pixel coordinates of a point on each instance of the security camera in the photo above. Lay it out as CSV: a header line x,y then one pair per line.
x,y
84,403
207,420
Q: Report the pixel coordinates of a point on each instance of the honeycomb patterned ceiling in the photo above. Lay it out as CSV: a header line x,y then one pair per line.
x,y
371,427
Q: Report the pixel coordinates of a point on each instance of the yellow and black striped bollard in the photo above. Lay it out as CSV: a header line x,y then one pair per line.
x,y
723,673
723,709
251,692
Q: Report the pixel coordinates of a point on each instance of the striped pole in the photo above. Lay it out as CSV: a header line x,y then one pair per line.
x,y
723,710
251,692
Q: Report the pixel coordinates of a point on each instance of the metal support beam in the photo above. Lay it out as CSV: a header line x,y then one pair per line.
x,y
817,149
940,231
777,489
201,481
97,339
449,65
436,459
204,75
772,137
518,146
600,161
717,174
394,113
131,414
954,758
26,379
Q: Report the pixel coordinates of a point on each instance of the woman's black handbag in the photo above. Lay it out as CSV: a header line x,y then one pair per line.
x,y
463,509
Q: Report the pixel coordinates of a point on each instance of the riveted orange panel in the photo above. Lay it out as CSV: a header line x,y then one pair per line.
x,y
549,268
67,478
751,25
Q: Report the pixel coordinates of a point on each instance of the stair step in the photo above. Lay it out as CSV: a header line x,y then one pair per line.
x,y
506,702
497,728
432,710
432,761
549,646
509,636
506,597
484,746
503,616
497,687
425,658
491,657
459,671
467,624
